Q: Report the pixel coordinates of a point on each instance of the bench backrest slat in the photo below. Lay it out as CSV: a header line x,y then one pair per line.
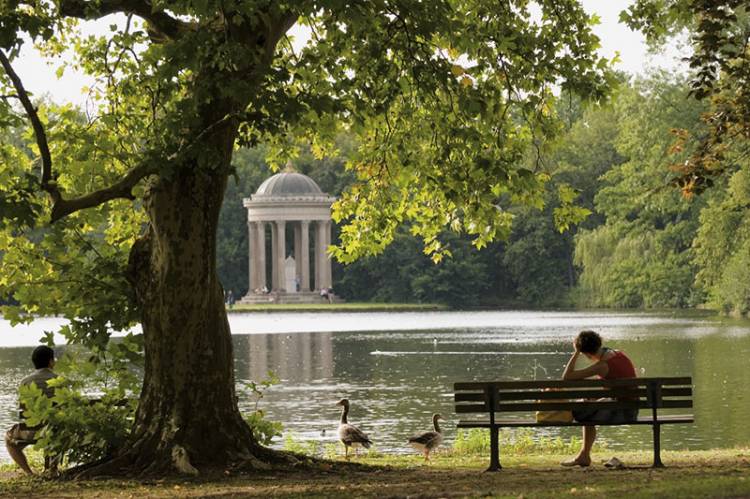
x,y
572,394
558,383
524,396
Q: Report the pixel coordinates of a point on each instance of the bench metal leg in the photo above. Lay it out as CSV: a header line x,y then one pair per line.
x,y
657,446
494,450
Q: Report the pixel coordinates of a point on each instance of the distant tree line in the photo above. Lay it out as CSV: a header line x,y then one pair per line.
x,y
643,244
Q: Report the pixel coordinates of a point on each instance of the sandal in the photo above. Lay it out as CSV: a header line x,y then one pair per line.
x,y
614,463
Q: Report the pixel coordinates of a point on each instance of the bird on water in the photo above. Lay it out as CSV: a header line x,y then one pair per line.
x,y
430,440
350,435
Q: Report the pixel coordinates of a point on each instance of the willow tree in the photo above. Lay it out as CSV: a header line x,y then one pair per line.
x,y
110,216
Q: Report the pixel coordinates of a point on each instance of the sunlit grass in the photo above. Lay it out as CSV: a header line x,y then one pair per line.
x,y
469,444
514,442
689,474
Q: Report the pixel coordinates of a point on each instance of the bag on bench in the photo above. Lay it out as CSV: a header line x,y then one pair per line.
x,y
554,416
559,416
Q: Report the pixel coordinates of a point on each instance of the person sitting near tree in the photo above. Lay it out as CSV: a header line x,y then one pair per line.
x,y
607,364
19,436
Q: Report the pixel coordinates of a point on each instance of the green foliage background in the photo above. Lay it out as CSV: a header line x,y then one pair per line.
x,y
639,242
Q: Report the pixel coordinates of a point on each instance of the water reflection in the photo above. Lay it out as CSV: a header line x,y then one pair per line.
x,y
297,358
396,379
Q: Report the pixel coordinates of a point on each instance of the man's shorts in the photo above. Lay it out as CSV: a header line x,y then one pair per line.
x,y
20,435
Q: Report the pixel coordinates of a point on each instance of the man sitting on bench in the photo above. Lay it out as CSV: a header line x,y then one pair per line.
x,y
608,364
20,436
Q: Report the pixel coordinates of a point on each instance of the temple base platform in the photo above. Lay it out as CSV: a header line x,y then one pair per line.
x,y
283,297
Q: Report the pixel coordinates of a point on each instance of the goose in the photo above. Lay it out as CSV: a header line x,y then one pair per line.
x,y
428,441
350,435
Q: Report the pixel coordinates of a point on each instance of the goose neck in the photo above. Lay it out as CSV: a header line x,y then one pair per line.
x,y
344,414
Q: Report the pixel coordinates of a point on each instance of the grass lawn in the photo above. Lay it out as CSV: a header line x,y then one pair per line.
x,y
337,307
702,474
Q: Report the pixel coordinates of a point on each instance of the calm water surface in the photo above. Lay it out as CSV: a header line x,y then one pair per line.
x,y
399,368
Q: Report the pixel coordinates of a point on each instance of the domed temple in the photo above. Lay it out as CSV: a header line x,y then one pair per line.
x,y
288,202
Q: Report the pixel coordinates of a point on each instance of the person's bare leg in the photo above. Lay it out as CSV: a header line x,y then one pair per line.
x,y
589,437
16,453
584,455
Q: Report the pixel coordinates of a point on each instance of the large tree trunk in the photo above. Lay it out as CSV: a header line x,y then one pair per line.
x,y
187,419
188,409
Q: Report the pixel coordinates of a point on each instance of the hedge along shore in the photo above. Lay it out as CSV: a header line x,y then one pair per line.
x,y
698,474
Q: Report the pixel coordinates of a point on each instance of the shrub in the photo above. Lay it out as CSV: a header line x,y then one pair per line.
x,y
263,429
94,405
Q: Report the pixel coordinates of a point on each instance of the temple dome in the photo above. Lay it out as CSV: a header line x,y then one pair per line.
x,y
289,184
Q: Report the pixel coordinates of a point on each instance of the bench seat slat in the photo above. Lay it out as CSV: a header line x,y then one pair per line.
x,y
579,383
515,423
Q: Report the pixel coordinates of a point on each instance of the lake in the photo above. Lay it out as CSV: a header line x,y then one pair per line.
x,y
397,368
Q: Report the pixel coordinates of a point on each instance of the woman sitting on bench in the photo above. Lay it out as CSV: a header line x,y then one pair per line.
x,y
608,364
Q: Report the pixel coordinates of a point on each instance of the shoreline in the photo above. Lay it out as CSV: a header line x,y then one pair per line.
x,y
339,307
437,307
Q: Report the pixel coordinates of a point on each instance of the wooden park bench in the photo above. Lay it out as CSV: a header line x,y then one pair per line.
x,y
502,401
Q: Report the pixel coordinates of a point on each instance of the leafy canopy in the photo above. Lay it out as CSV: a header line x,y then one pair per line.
x,y
445,98
720,63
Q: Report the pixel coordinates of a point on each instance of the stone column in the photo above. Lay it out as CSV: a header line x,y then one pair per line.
x,y
274,259
281,255
327,276
260,249
305,255
252,250
319,254
297,255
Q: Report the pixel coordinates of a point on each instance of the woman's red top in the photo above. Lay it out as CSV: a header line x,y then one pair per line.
x,y
620,366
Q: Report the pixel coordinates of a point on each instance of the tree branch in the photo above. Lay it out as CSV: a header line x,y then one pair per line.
x,y
62,207
161,22
119,190
39,133
285,24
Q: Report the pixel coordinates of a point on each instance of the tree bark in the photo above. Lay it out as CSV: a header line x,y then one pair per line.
x,y
187,416
187,419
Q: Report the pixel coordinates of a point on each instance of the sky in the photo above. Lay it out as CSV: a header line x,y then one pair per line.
x,y
39,77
